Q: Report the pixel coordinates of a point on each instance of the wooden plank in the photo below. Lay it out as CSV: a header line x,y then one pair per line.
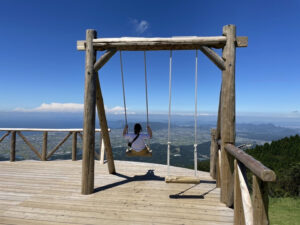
x,y
29,144
104,127
246,198
88,154
104,59
242,42
239,218
102,151
228,114
214,57
182,179
58,145
260,202
45,141
13,146
252,164
142,44
74,146
213,154
4,136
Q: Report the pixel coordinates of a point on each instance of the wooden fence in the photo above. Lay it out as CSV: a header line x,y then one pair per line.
x,y
247,210
45,154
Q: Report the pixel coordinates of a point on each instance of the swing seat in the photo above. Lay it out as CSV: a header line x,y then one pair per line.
x,y
146,152
182,179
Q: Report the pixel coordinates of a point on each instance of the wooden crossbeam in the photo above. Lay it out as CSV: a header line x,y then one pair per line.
x,y
214,57
60,144
29,144
4,136
104,59
158,43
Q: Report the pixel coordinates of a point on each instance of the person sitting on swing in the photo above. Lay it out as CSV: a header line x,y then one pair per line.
x,y
136,140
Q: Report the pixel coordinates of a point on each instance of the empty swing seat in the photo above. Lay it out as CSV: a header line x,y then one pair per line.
x,y
182,179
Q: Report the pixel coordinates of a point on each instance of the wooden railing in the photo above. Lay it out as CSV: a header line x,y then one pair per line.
x,y
247,210
45,154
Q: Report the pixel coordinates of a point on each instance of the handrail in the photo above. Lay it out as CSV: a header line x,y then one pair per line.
x,y
47,129
44,155
255,166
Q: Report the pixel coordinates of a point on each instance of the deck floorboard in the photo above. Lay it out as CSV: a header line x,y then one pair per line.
x,y
47,193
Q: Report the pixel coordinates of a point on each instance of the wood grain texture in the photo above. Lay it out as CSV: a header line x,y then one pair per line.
x,y
213,154
252,164
88,153
104,127
260,202
13,146
45,143
214,57
74,146
104,59
228,114
37,192
182,179
239,218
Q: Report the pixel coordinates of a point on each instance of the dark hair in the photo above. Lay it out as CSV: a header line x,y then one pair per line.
x,y
137,128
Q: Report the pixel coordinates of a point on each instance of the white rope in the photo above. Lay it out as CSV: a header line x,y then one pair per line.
x,y
146,90
124,101
196,89
169,115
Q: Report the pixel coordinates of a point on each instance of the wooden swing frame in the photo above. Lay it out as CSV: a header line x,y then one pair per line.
x,y
93,96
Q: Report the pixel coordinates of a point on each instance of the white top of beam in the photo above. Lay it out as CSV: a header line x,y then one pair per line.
x,y
46,129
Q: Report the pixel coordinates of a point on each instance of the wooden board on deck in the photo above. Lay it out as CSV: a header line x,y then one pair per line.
x,y
39,192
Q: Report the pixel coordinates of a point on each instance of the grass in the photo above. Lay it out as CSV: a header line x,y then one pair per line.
x,y
284,211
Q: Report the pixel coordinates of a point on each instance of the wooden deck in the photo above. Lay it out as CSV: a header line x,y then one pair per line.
x,y
36,192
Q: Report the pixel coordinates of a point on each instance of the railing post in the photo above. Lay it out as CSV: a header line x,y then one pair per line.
x,y
228,115
260,202
13,146
213,154
102,151
88,155
74,145
45,142
239,218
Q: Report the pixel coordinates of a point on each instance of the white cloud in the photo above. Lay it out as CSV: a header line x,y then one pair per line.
x,y
140,26
68,107
54,107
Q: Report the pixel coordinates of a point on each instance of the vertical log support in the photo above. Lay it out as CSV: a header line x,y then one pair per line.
x,y
228,115
213,154
87,185
260,202
239,218
45,142
13,146
104,128
74,145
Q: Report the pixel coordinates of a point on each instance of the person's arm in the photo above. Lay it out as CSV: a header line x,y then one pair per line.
x,y
149,131
125,131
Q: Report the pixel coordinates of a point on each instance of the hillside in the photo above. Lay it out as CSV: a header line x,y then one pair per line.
x,y
282,156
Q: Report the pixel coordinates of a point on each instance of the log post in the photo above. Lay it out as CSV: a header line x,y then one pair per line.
x,y
260,202
45,142
102,151
104,128
218,169
13,146
228,114
74,145
87,185
239,218
213,154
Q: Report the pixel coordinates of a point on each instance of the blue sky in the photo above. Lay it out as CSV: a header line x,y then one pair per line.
x,y
39,63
